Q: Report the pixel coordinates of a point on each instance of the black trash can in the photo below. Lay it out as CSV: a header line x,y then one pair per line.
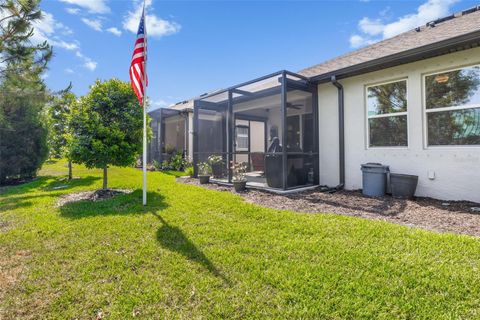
x,y
374,179
403,186
273,170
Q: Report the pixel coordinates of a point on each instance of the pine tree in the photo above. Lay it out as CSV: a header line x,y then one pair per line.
x,y
23,94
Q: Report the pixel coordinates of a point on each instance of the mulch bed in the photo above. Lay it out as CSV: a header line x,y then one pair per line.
x,y
460,217
96,195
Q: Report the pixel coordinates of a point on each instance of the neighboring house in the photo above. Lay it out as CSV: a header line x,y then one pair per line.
x,y
411,102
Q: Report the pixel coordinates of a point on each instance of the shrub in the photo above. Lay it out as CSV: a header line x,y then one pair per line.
x,y
177,162
204,169
189,171
214,159
239,169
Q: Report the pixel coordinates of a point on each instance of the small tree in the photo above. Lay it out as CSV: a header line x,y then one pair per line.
x,y
59,116
107,127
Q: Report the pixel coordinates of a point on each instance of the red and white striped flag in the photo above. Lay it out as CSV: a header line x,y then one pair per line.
x,y
138,71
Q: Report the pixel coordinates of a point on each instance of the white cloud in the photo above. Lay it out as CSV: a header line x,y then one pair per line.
x,y
93,6
357,41
114,31
69,71
48,29
95,24
377,29
73,10
87,62
156,26
371,27
90,65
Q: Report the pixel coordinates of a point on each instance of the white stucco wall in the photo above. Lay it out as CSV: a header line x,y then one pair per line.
x,y
457,169
190,136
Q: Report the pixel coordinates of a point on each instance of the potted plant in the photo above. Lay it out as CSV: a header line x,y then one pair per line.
x,y
239,179
204,172
216,163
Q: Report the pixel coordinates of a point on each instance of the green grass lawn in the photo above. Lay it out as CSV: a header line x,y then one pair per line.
x,y
197,253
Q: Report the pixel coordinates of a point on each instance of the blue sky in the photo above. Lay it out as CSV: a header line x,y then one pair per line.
x,y
199,46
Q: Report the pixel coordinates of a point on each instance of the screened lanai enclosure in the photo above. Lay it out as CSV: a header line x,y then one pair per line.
x,y
169,134
270,123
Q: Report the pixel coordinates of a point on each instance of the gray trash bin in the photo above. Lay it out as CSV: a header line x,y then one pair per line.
x,y
374,179
403,185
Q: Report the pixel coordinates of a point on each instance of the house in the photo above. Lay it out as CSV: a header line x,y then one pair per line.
x,y
411,102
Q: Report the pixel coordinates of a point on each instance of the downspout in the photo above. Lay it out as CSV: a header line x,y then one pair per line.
x,y
341,132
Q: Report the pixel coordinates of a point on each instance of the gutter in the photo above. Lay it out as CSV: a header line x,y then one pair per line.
x,y
341,131
459,43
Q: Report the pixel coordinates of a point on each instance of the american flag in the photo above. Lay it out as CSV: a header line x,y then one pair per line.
x,y
138,77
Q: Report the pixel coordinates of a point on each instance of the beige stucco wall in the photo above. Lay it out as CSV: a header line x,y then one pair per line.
x,y
457,169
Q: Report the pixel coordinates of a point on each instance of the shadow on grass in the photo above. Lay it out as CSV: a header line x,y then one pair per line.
x,y
169,237
125,204
64,184
14,202
25,186
173,239
47,183
15,197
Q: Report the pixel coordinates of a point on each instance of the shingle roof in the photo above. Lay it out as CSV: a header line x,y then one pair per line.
x,y
459,24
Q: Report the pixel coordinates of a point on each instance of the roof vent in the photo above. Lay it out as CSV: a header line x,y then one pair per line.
x,y
431,24
417,29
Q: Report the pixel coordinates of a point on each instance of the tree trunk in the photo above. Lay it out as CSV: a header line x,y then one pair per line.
x,y
105,178
70,170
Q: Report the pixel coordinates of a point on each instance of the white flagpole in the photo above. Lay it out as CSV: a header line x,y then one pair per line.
x,y
145,113
144,148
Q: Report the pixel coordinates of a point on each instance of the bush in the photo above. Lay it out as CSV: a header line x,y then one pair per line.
x,y
177,162
204,169
189,171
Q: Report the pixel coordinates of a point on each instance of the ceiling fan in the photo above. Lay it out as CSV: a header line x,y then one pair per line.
x,y
294,106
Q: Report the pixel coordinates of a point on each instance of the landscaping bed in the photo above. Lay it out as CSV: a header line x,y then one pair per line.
x,y
94,195
443,216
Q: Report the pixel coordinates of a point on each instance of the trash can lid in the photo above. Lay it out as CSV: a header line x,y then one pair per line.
x,y
373,165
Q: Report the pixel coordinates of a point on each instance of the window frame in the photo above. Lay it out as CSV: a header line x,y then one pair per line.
x,y
426,111
396,114
247,136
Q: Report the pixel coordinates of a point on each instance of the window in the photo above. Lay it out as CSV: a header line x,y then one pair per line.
x,y
387,114
242,138
452,105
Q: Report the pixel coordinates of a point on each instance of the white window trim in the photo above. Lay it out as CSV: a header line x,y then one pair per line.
x,y
245,135
453,108
394,114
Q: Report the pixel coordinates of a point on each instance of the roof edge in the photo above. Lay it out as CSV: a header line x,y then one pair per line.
x,y
412,55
